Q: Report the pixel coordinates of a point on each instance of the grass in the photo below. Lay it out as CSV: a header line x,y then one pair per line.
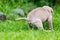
x,y
30,35
18,30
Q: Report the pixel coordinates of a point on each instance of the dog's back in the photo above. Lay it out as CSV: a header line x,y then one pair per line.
x,y
38,13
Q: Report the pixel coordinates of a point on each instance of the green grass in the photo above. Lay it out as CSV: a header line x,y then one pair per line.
x,y
18,30
30,35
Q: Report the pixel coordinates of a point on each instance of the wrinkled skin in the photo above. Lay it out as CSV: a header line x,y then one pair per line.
x,y
38,16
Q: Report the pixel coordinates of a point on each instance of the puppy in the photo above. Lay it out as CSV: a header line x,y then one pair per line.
x,y
38,16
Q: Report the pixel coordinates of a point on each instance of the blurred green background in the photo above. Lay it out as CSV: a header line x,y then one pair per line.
x,y
18,30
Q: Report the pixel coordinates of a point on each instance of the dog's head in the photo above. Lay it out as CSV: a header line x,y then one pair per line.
x,y
49,9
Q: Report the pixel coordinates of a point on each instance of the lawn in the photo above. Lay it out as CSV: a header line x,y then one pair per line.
x,y
30,35
18,30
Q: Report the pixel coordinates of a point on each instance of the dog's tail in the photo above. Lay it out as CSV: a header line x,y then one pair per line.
x,y
21,19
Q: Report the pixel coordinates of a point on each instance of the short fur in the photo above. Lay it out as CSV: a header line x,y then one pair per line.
x,y
38,16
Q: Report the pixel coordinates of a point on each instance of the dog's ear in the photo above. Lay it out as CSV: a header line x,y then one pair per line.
x,y
49,9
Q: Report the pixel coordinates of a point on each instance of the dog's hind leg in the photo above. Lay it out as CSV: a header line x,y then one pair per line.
x,y
38,23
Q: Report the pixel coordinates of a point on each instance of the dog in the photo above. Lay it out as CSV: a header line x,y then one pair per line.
x,y
38,16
